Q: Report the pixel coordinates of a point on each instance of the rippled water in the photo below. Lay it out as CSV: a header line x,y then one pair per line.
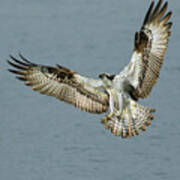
x,y
42,138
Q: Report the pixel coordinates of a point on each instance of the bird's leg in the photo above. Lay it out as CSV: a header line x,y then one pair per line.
x,y
105,119
111,107
120,101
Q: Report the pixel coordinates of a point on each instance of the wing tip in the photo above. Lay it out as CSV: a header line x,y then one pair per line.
x,y
147,16
156,13
22,64
16,64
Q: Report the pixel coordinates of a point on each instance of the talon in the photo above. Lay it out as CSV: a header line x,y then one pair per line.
x,y
118,115
104,120
110,115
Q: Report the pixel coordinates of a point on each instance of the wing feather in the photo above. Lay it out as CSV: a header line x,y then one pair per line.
x,y
150,47
62,83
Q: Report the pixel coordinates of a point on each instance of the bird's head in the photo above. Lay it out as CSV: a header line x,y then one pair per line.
x,y
103,75
106,76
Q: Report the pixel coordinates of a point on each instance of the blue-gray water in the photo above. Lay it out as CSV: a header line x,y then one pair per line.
x,y
42,138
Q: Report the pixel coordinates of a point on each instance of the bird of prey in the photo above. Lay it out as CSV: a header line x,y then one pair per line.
x,y
115,94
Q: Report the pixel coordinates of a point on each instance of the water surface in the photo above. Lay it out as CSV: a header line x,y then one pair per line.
x,y
42,138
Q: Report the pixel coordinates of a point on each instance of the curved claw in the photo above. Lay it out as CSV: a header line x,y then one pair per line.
x,y
110,115
119,115
104,120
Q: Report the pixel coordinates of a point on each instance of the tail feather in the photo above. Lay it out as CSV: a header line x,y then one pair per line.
x,y
135,117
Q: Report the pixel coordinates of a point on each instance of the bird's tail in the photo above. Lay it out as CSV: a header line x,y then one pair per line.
x,y
135,117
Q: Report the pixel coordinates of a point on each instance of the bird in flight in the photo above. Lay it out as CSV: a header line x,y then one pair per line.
x,y
115,94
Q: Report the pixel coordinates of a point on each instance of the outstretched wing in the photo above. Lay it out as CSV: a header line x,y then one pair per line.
x,y
150,46
62,83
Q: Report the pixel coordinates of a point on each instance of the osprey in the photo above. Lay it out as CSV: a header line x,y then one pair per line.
x,y
115,94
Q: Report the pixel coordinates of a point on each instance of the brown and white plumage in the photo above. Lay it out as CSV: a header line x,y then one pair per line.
x,y
149,49
143,70
62,83
118,93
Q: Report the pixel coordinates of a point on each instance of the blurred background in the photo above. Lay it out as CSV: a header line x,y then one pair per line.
x,y
42,138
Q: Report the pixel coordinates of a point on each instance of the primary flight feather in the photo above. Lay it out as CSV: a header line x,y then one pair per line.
x,y
115,93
